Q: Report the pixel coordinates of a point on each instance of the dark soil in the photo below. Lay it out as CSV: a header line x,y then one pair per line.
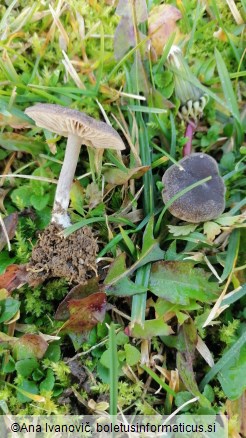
x,y
73,257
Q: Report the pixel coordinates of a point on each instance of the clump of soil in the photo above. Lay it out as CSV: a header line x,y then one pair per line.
x,y
73,257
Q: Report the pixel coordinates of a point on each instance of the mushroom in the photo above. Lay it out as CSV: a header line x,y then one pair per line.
x,y
79,129
204,202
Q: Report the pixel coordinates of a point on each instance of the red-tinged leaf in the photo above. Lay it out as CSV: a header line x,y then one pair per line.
x,y
29,345
161,25
185,360
85,313
10,223
78,292
118,177
13,278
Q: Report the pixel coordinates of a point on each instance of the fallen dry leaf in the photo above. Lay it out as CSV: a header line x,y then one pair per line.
x,y
13,278
162,23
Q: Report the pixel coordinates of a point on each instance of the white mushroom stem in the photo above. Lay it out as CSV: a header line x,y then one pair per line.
x,y
62,196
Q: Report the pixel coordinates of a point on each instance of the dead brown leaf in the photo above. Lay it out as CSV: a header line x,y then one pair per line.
x,y
162,23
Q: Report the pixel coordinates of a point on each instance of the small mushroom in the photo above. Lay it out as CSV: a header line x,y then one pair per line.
x,y
204,202
79,129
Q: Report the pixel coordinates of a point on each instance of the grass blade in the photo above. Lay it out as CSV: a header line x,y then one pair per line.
x,y
229,355
158,380
232,252
113,371
227,86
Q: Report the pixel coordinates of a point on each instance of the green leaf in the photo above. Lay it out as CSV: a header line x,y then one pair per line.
x,y
39,202
163,79
77,195
211,229
228,221
5,261
182,230
48,383
150,328
25,389
9,367
116,270
233,376
181,398
53,352
150,252
122,338
25,367
227,86
132,355
129,243
37,375
105,359
8,307
21,197
18,142
163,307
165,83
179,282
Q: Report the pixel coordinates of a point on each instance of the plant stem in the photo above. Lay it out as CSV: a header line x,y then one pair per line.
x,y
61,202
190,129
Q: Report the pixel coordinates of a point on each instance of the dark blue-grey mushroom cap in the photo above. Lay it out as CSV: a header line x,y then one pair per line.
x,y
203,203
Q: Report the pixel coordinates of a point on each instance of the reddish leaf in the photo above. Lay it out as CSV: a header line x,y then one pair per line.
x,y
185,361
13,278
10,223
78,292
29,345
85,313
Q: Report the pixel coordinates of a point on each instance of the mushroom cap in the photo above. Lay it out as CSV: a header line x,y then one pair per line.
x,y
65,121
202,203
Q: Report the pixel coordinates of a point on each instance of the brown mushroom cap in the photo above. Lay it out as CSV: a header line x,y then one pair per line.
x,y
203,203
65,121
